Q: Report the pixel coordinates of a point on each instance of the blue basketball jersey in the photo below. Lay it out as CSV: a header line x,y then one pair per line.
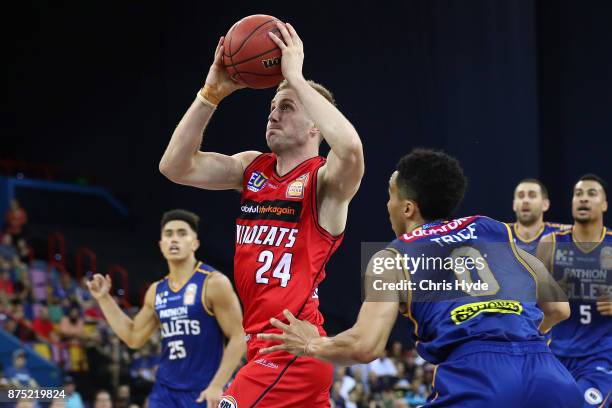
x,y
587,272
530,245
444,310
192,341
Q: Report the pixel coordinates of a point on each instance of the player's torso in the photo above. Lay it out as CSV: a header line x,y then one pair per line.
x,y
281,250
530,245
585,271
192,342
455,300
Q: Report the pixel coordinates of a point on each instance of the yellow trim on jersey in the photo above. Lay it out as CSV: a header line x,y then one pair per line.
x,y
553,236
195,269
206,309
520,259
601,238
605,401
408,313
548,342
433,380
527,241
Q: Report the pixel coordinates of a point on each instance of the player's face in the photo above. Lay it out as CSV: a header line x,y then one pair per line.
x,y
289,126
529,205
396,207
178,241
589,201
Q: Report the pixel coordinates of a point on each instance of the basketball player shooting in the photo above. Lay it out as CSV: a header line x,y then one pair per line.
x,y
294,208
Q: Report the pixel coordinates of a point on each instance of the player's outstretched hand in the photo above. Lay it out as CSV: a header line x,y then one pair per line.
x,y
211,395
218,78
295,338
99,286
604,306
292,49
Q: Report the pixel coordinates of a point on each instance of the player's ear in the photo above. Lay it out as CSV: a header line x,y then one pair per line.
x,y
410,209
196,244
545,204
314,131
604,207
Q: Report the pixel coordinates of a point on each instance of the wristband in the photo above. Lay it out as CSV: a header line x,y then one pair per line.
x,y
211,95
205,101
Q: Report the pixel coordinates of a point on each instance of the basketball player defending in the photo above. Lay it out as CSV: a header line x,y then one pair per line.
x,y
476,337
581,259
530,203
195,307
293,212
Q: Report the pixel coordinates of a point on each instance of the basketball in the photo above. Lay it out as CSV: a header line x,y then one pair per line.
x,y
250,56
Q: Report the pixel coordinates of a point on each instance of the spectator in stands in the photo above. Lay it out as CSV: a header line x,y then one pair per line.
x,y
23,251
4,382
18,374
66,289
6,283
7,250
72,326
56,312
16,218
73,398
123,396
22,286
335,395
42,325
103,400
23,328
385,371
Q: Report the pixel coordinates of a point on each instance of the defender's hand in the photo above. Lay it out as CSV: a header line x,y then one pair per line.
x,y
218,78
99,286
292,50
211,395
295,338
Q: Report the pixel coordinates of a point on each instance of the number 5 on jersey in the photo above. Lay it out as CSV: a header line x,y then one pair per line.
x,y
281,271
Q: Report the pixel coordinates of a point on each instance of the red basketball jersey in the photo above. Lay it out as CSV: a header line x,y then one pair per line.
x,y
281,250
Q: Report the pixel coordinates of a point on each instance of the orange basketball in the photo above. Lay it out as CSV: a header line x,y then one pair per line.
x,y
249,54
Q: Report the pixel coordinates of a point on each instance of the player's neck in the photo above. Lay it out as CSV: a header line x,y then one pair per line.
x,y
181,271
529,231
588,232
287,161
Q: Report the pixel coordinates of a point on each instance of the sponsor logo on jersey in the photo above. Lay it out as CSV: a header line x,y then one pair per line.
x,y
593,396
296,188
564,257
465,312
279,210
257,181
161,299
227,402
605,258
266,363
190,293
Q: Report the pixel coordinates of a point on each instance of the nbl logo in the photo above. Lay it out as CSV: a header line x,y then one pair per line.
x,y
228,402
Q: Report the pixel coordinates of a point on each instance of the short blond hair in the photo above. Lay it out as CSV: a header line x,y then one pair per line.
x,y
316,86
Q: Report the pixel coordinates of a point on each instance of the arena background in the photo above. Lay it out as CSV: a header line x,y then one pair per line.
x,y
513,88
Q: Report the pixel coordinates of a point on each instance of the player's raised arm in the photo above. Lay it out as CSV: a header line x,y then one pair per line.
x,y
226,307
133,332
345,165
551,298
183,162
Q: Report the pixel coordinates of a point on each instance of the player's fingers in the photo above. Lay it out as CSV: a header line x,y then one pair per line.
x,y
202,397
212,402
278,324
286,36
270,336
272,349
277,40
294,35
108,279
290,317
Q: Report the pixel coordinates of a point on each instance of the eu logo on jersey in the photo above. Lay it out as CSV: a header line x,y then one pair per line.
x,y
257,181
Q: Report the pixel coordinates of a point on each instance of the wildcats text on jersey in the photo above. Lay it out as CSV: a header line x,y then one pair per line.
x,y
266,235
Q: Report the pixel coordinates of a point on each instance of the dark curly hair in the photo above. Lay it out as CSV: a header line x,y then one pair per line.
x,y
182,215
434,180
